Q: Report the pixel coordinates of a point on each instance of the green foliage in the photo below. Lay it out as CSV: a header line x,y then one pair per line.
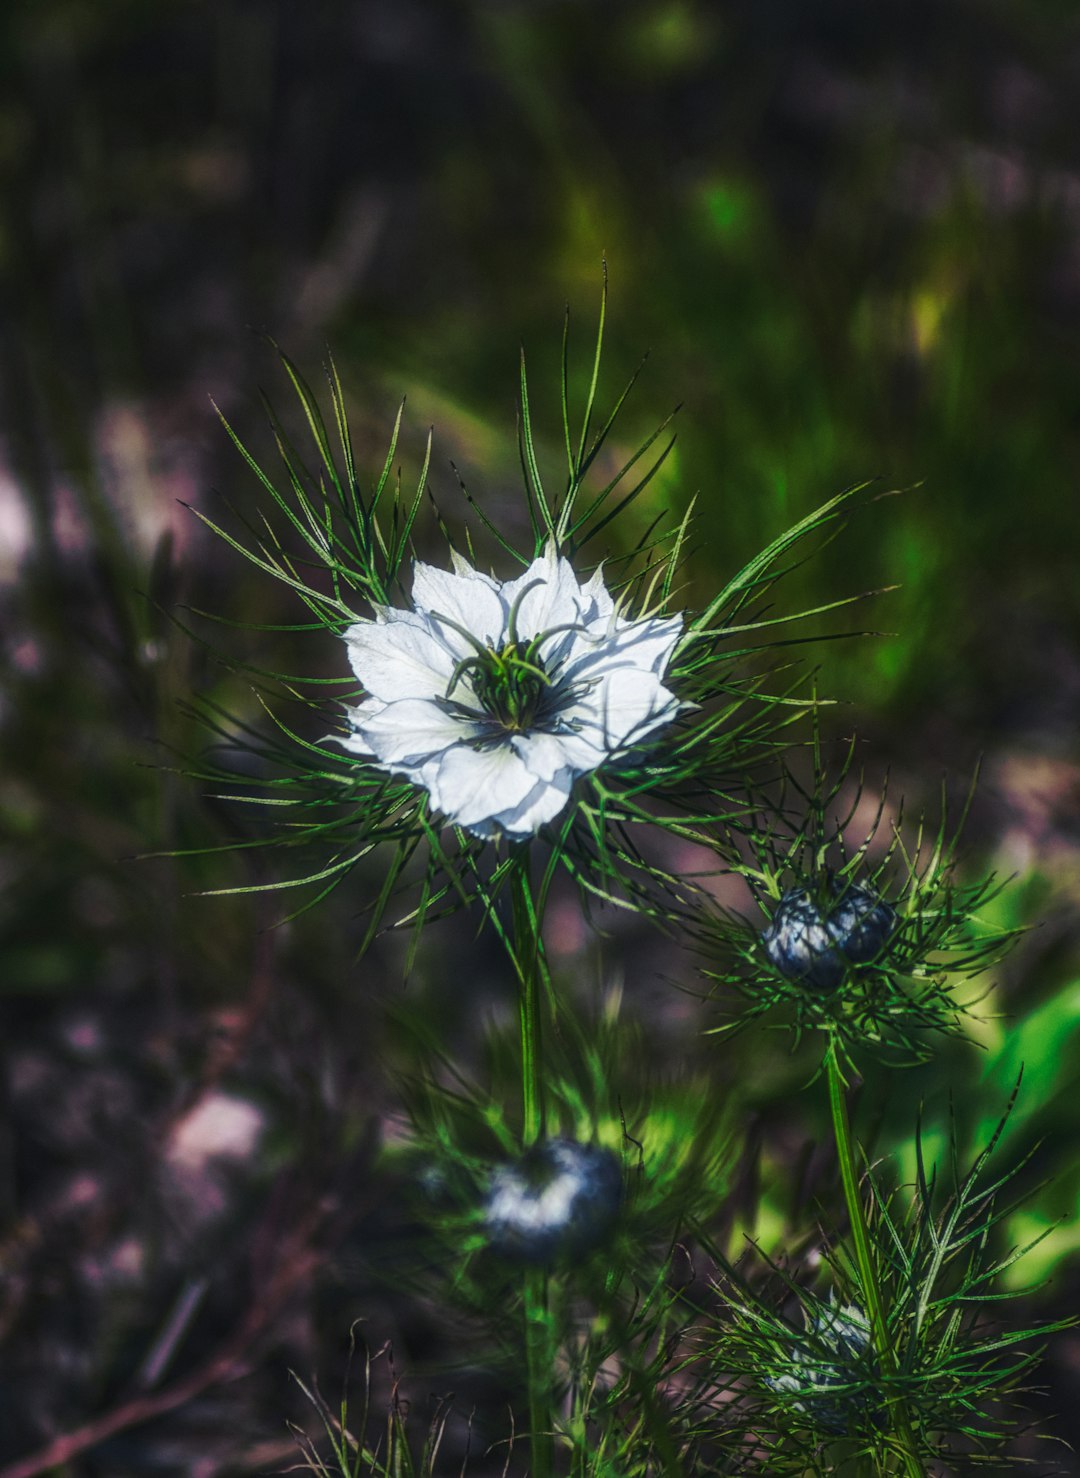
x,y
350,1450
822,1400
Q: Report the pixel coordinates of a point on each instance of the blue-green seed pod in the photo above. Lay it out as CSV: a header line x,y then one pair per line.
x,y
816,945
831,1371
560,1199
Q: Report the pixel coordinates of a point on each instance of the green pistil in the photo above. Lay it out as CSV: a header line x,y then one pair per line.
x,y
509,684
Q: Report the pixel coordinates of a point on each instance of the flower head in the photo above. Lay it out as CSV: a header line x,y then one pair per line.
x,y
864,940
560,1198
494,697
496,709
817,944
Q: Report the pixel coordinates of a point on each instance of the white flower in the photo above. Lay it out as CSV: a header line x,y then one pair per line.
x,y
495,697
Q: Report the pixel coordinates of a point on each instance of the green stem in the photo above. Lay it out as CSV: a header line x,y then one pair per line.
x,y
868,1277
538,1357
527,949
538,1373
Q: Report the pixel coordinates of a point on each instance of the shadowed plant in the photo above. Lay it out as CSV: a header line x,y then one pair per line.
x,y
954,1387
356,1444
864,924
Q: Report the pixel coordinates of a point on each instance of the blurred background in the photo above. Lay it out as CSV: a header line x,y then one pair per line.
x,y
849,237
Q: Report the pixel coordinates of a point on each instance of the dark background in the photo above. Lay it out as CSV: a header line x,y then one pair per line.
x,y
850,237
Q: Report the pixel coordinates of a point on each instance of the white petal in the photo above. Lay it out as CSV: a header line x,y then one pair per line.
x,y
624,706
547,595
470,602
396,658
547,754
463,567
595,589
476,785
583,643
455,643
543,803
409,732
355,743
639,646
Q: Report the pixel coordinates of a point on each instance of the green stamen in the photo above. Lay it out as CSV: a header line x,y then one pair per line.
x,y
510,685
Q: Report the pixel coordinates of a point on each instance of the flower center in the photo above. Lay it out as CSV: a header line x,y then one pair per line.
x,y
510,685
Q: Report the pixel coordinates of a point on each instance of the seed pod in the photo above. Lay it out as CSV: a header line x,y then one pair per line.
x,y
833,1371
560,1199
816,945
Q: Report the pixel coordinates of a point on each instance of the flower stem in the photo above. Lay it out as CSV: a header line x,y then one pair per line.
x,y
538,1360
868,1276
538,1373
527,947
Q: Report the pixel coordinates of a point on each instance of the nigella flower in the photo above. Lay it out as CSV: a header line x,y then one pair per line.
x,y
496,709
817,944
560,1199
495,696
831,1371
